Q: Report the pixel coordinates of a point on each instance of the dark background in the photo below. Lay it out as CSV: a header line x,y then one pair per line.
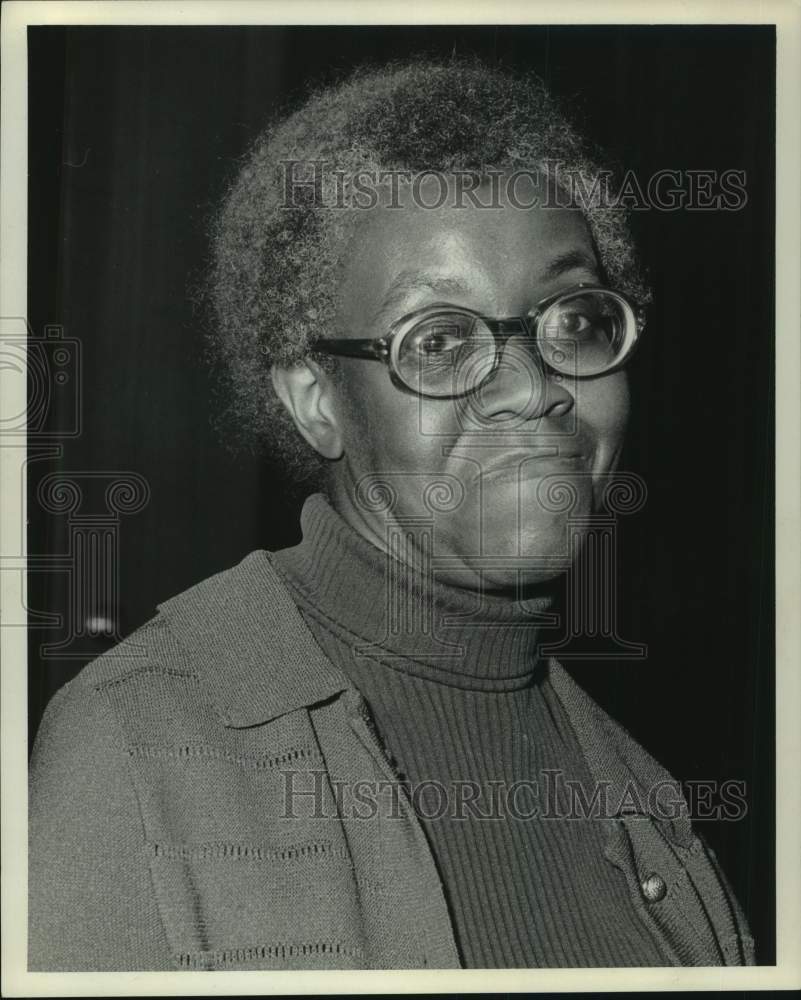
x,y
133,135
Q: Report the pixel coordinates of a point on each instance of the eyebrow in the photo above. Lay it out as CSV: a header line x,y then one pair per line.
x,y
410,280
571,260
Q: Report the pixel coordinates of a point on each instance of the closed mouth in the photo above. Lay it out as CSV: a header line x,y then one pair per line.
x,y
534,466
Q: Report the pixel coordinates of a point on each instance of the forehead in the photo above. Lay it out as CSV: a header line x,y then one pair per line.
x,y
501,258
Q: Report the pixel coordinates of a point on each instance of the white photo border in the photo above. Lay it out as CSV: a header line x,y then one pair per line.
x,y
786,16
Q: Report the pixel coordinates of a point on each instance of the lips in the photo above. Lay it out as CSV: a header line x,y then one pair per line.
x,y
516,468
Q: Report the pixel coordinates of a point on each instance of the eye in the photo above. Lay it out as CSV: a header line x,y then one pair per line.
x,y
438,337
444,351
571,322
439,341
586,333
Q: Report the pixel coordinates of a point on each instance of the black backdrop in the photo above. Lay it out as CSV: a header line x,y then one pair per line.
x,y
133,134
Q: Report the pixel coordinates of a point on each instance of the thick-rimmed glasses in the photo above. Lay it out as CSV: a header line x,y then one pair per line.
x,y
446,351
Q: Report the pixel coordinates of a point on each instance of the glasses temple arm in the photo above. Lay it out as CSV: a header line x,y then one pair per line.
x,y
352,348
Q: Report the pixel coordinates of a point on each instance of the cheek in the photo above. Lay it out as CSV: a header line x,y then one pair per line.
x,y
385,429
603,412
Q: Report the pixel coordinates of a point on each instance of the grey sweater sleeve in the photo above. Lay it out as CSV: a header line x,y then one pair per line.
x,y
90,900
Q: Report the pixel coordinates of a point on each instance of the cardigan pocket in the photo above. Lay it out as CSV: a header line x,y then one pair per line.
x,y
247,857
256,906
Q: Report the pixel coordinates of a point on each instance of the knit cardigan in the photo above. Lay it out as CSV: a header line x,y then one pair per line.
x,y
192,807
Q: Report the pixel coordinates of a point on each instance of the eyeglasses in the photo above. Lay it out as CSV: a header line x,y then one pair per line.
x,y
445,351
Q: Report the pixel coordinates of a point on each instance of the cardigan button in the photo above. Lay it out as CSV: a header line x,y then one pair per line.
x,y
654,888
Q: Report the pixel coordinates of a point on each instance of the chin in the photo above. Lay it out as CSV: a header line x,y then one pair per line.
x,y
535,553
513,531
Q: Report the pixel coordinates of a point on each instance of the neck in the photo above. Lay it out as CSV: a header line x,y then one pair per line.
x,y
392,603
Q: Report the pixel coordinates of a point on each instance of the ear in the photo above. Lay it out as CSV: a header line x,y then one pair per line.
x,y
307,393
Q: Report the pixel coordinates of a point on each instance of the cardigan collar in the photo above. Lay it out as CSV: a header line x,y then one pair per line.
x,y
235,626
257,660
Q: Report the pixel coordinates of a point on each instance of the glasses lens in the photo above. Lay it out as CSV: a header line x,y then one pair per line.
x,y
586,333
445,353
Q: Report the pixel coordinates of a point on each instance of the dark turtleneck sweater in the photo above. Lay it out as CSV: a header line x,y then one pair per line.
x,y
466,714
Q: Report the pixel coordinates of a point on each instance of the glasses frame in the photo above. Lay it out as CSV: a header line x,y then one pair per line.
x,y
387,348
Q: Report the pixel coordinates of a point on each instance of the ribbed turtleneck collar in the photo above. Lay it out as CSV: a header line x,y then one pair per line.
x,y
391,607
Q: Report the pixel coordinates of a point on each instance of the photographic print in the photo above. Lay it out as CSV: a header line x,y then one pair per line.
x,y
399,496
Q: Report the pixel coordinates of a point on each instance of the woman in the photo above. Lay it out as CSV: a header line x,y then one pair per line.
x,y
351,753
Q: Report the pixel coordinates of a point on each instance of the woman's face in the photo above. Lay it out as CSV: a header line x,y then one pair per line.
x,y
498,518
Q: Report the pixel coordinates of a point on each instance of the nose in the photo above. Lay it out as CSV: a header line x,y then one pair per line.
x,y
521,389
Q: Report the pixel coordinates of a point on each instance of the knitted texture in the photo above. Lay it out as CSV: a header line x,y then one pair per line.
x,y
162,835
524,890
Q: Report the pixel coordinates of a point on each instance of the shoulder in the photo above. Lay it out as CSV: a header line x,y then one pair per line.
x,y
151,673
230,651
155,649
83,729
